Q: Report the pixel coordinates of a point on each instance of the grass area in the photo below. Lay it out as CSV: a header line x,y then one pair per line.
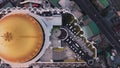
x,y
55,3
105,3
94,28
85,18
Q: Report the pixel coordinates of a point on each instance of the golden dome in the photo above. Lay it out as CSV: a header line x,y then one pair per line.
x,y
21,38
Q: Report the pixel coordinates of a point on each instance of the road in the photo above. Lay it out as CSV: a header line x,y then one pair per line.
x,y
90,10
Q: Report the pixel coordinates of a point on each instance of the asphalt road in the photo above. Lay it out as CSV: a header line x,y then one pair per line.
x,y
90,10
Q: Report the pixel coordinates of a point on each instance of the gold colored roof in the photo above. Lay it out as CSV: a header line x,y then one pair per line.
x,y
21,38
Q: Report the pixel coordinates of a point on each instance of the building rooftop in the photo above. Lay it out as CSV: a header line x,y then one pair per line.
x,y
31,1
